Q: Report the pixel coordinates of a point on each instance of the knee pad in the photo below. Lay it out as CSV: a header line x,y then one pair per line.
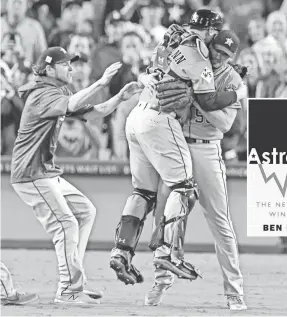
x,y
130,227
188,191
148,196
140,203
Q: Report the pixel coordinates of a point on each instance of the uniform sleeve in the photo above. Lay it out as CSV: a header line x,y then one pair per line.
x,y
195,67
235,82
204,83
53,104
222,99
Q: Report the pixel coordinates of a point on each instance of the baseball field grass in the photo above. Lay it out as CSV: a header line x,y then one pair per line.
x,y
36,271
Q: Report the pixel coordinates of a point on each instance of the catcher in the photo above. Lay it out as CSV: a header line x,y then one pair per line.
x,y
158,148
203,133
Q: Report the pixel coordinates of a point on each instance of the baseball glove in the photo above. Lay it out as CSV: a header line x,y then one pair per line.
x,y
174,94
241,70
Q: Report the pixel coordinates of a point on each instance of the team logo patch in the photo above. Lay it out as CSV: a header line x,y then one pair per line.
x,y
228,41
48,59
160,60
207,75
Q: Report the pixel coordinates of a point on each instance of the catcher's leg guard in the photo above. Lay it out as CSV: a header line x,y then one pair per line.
x,y
128,233
169,238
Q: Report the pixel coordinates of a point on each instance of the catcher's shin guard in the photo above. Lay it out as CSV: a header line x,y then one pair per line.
x,y
180,229
171,229
128,233
168,237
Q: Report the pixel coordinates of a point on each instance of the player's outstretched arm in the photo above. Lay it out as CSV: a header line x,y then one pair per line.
x,y
104,109
220,100
176,94
82,100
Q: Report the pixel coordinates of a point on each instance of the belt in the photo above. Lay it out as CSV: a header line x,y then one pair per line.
x,y
146,105
191,141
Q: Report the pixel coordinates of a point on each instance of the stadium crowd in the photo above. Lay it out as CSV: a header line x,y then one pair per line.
x,y
106,31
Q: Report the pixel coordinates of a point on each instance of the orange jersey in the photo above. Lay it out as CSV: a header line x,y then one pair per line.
x,y
226,78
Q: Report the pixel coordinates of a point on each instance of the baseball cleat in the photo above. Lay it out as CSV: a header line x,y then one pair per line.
x,y
124,274
75,299
20,299
236,302
96,294
93,294
155,295
180,268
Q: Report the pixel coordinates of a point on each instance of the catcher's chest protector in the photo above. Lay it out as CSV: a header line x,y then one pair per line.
x,y
173,59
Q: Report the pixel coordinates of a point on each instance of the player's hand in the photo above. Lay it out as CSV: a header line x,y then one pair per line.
x,y
149,79
130,90
240,69
241,91
109,73
174,94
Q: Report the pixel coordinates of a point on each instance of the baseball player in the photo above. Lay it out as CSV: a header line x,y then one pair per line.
x,y
63,210
203,133
158,148
9,295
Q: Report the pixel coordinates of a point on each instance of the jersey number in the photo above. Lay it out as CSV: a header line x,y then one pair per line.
x,y
199,118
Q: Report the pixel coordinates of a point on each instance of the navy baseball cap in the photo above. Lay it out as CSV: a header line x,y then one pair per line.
x,y
226,41
55,55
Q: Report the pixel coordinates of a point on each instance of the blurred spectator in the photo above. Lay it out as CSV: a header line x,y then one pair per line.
x,y
81,44
31,32
249,59
270,53
15,70
45,14
276,26
107,51
85,27
275,42
132,45
256,30
81,74
67,24
127,8
152,13
281,91
11,109
269,83
12,50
